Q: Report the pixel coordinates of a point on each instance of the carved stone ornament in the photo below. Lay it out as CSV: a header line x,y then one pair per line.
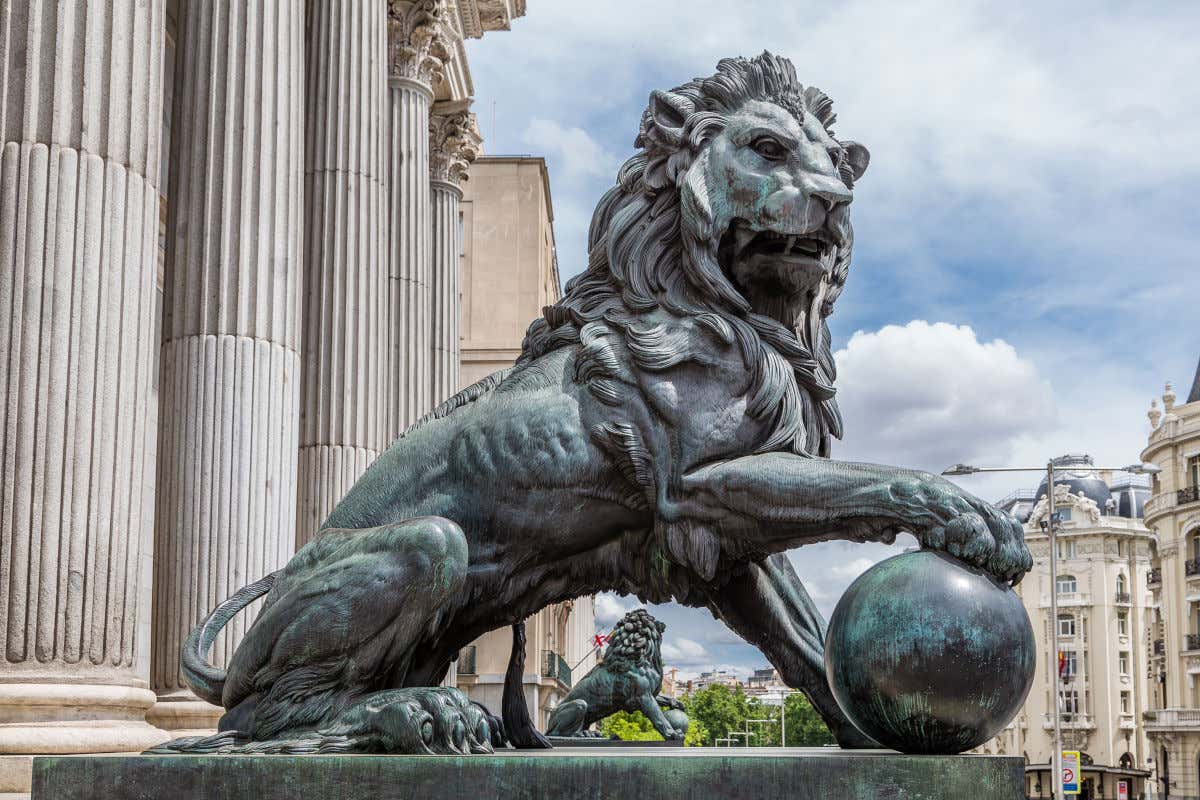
x,y
454,141
1064,499
418,46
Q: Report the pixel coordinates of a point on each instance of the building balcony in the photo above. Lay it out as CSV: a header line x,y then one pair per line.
x,y
1154,577
466,660
1122,598
1171,718
1191,568
1127,723
1188,494
1069,722
554,666
1191,641
1069,599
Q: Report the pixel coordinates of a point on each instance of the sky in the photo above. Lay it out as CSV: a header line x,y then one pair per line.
x,y
1024,275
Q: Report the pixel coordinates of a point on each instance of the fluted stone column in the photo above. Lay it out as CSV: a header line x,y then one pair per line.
x,y
230,372
454,143
80,117
417,52
343,418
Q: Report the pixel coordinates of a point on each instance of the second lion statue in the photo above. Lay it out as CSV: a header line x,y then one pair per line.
x,y
666,432
629,678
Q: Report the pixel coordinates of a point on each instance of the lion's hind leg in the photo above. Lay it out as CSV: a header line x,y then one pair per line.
x,y
567,719
341,623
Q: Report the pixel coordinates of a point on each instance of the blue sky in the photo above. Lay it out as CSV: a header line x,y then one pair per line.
x,y
1025,238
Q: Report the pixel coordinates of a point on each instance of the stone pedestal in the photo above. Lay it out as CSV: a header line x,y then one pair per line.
x,y
230,371
417,52
345,380
79,211
565,774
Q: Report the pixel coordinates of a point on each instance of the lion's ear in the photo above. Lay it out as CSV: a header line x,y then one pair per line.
x,y
669,112
858,157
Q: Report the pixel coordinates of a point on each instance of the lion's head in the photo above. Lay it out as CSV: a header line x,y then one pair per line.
x,y
635,641
736,204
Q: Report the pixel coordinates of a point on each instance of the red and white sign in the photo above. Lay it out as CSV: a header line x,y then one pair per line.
x,y
1122,790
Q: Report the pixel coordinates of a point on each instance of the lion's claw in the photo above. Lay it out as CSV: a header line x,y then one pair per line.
x,y
967,528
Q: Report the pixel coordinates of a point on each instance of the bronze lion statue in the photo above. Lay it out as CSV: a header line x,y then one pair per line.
x,y
666,432
629,678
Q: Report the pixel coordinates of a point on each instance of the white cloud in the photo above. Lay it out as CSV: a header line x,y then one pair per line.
x,y
930,395
610,608
851,569
580,152
682,652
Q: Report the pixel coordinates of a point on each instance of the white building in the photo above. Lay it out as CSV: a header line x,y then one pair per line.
x,y
1173,512
1102,631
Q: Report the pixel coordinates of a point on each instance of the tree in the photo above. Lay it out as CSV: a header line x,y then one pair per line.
x,y
718,709
805,728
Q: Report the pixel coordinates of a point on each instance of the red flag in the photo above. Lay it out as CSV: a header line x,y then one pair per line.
x,y
1062,663
599,639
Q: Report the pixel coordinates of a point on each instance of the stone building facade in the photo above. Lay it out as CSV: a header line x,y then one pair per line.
x,y
510,272
1172,718
1099,642
228,278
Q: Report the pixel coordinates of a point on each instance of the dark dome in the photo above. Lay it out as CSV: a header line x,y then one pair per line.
x,y
1129,494
1076,471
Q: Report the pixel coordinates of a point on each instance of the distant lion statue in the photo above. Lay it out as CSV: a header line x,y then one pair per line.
x,y
629,678
666,432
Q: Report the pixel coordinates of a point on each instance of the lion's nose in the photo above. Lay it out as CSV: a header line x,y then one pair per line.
x,y
832,196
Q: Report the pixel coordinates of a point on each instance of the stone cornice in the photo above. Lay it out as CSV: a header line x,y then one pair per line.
x,y
477,17
418,44
454,141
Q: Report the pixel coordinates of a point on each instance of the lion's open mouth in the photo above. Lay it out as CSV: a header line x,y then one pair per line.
x,y
776,272
786,246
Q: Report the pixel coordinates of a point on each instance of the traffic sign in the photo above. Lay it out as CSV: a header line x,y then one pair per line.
x,y
1070,772
1122,790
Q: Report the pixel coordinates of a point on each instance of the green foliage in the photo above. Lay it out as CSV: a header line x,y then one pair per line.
x,y
630,726
696,734
717,710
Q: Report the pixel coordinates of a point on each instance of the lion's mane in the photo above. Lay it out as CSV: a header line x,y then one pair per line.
x,y
652,244
635,641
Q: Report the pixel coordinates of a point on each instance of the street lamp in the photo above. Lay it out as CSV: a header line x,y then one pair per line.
x,y
1051,528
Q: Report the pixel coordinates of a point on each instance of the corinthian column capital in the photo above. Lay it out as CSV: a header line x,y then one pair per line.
x,y
418,46
454,141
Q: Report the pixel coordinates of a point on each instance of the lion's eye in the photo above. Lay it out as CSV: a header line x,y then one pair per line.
x,y
769,148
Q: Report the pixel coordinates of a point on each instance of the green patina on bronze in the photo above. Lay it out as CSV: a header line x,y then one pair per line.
x,y
927,655
665,432
666,774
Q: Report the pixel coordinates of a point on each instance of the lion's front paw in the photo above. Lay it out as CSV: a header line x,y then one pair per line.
x,y
951,520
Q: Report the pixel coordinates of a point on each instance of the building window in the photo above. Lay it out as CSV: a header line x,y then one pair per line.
x,y
1066,548
1069,701
1193,471
1070,664
1123,662
1125,704
1122,588
1066,583
1066,625
1123,623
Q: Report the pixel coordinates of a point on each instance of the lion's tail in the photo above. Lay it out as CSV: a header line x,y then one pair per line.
x,y
207,681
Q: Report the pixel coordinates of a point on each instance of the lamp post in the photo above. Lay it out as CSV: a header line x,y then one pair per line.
x,y
1051,530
